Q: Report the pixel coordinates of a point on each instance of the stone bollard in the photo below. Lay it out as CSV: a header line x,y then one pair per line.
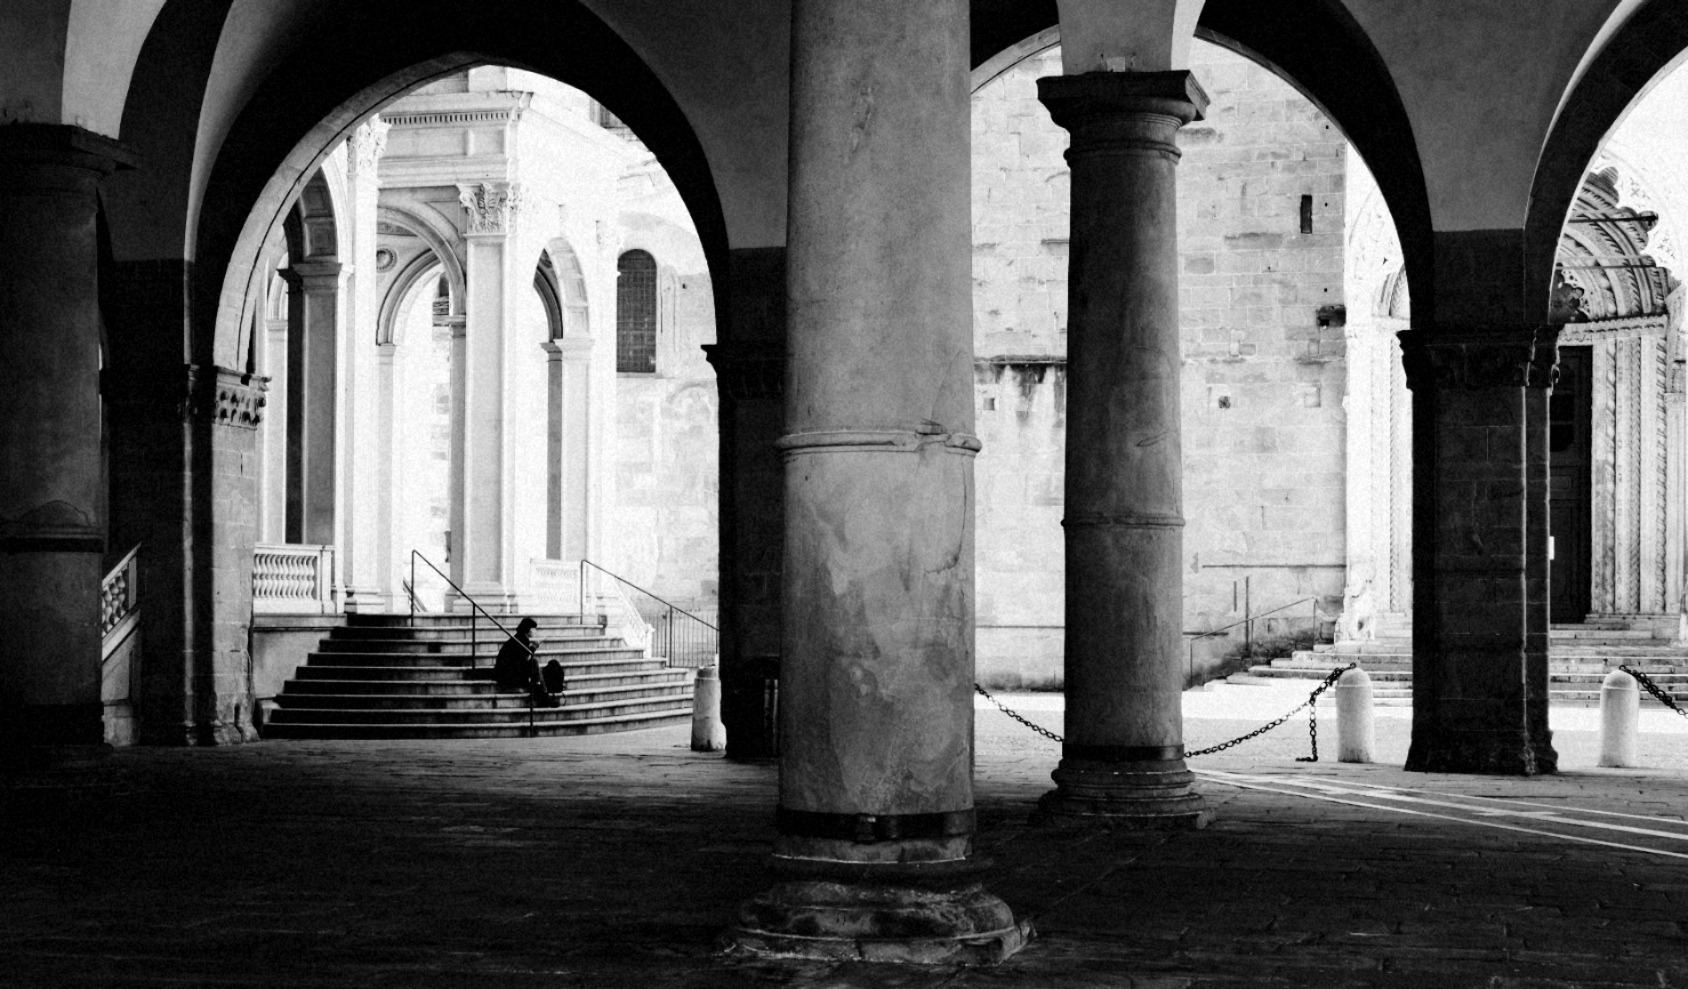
x,y
708,733
1356,734
1620,718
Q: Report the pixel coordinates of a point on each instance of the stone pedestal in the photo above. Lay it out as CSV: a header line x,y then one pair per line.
x,y
52,534
1480,496
1122,764
876,678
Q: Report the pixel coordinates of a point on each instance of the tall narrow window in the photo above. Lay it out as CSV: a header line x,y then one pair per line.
x,y
635,313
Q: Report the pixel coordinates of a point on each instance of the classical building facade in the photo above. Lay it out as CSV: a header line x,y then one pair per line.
x,y
158,157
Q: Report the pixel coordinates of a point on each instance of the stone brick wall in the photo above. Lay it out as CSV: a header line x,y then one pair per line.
x,y
1264,367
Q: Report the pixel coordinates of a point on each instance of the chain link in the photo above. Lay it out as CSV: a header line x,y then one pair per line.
x,y
1312,724
1654,689
1309,703
1045,732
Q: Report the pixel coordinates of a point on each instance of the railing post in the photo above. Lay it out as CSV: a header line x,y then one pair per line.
x,y
412,587
580,588
474,638
1248,620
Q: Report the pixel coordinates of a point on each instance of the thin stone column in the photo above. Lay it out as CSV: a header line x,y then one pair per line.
x,y
876,684
481,545
51,532
358,515
313,331
1123,759
1480,505
272,526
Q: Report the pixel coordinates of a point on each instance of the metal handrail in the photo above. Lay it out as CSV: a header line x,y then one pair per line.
x,y
693,643
1248,621
474,625
666,604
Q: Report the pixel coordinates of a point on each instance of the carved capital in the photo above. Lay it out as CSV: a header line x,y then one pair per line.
x,y
1462,360
1111,113
748,370
366,145
490,207
223,397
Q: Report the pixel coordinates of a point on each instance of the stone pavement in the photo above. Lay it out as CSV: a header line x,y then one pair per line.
x,y
616,860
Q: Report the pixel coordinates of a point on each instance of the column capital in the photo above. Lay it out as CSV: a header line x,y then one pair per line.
x,y
490,207
748,370
1520,357
223,397
314,275
366,145
1093,106
568,349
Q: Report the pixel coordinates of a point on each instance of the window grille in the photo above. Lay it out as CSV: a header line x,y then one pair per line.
x,y
635,313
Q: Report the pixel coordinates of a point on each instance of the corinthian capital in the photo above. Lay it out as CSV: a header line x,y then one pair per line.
x,y
490,207
366,144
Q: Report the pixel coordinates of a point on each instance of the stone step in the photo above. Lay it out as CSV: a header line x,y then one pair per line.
x,y
455,634
1367,648
435,619
483,658
584,726
478,715
413,671
472,687
502,701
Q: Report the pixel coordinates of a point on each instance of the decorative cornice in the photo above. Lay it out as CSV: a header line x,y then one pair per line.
x,y
223,397
1628,328
1469,360
747,370
490,207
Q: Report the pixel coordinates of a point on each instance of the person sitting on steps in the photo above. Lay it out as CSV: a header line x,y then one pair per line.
x,y
517,668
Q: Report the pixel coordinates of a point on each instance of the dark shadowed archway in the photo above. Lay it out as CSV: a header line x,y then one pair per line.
x,y
374,52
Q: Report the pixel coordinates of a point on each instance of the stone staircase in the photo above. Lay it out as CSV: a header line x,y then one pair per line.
x,y
379,676
1579,657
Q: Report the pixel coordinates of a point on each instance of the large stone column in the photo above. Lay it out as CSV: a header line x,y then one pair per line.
x,y
1123,759
313,333
1480,494
480,546
51,532
876,689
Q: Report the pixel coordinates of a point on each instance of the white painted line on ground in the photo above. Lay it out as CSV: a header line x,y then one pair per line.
x,y
1511,802
1259,783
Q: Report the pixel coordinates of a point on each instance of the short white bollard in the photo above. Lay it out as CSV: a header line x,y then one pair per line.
x,y
1356,734
1620,718
708,733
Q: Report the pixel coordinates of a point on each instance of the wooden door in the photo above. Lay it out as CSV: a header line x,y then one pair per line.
x,y
1570,421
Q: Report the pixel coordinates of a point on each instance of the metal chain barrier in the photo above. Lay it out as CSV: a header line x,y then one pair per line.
x,y
1654,689
1045,732
1309,704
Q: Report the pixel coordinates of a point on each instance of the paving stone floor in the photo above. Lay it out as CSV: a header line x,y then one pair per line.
x,y
616,861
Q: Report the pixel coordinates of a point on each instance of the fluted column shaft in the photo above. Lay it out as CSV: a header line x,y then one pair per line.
x,y
1123,757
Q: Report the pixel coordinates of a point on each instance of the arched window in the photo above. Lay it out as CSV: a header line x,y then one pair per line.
x,y
635,313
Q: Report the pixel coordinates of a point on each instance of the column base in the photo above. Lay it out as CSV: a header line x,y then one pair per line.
x,y
831,921
1501,753
1147,796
